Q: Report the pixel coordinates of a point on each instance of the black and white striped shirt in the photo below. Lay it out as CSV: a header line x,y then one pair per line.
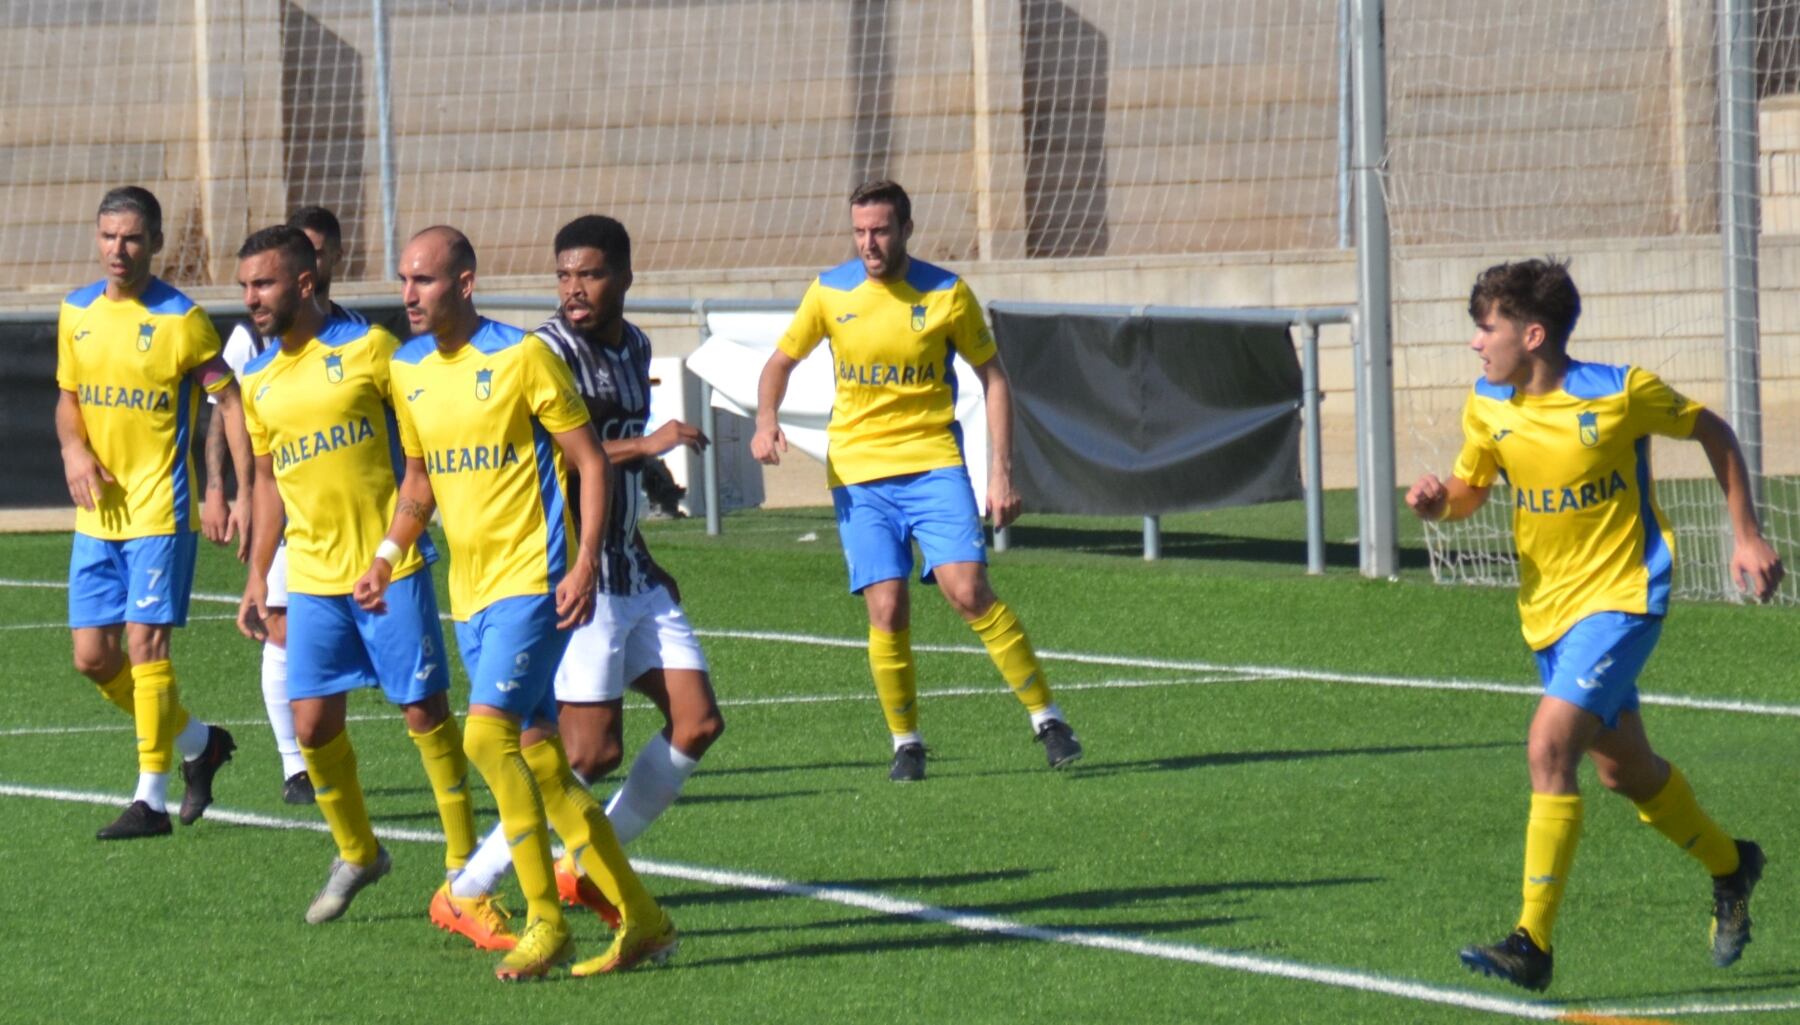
x,y
616,385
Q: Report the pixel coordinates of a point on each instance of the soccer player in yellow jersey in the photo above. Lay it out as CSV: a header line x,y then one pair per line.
x,y
132,357
488,416
894,459
1597,556
318,409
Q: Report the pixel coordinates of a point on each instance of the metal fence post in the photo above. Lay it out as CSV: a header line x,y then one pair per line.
x,y
1375,364
1739,215
709,426
384,122
1152,538
1312,452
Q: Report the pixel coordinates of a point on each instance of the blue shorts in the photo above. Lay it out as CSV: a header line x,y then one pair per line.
x,y
334,646
511,649
143,580
877,522
1595,665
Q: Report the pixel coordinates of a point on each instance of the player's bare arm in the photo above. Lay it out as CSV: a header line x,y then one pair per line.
x,y
214,513
769,442
1003,502
1431,498
81,468
230,410
657,443
413,507
269,514
575,595
1755,567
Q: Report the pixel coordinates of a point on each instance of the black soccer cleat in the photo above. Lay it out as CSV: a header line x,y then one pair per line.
x,y
138,820
1731,905
909,763
298,789
198,773
1515,959
1061,746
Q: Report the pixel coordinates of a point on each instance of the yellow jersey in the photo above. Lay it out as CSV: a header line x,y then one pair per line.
x,y
131,364
894,345
323,415
1590,535
481,418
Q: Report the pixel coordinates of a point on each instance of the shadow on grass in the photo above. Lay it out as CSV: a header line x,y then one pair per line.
x,y
1090,900
883,883
1178,544
1183,763
1783,979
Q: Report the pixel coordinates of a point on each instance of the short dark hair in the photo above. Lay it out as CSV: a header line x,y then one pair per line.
x,y
133,199
462,251
597,231
295,248
321,220
884,191
1530,292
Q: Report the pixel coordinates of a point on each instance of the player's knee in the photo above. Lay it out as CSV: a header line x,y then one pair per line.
x,y
1552,760
693,738
598,760
97,664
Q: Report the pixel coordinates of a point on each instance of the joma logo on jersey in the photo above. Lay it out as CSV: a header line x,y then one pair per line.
x,y
1589,424
1556,500
146,331
484,384
334,368
918,320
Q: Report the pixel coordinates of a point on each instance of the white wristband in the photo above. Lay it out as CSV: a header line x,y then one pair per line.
x,y
390,551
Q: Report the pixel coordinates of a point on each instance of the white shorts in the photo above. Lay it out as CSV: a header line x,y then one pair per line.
x,y
278,597
629,636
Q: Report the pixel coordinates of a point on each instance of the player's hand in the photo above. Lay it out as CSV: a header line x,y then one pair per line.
x,y
1003,502
575,596
1755,568
1428,498
215,516
238,524
767,444
664,439
86,478
370,591
253,609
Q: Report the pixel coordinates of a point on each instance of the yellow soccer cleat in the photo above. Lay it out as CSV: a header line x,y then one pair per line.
x,y
575,888
481,919
634,946
545,946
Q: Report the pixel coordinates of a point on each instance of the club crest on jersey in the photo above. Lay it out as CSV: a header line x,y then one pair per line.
x,y
334,368
484,384
1589,423
918,320
146,331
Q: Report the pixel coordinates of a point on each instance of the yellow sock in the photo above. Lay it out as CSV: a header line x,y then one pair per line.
x,y
332,767
1550,841
492,744
118,690
441,751
156,705
896,682
585,831
1011,651
1677,815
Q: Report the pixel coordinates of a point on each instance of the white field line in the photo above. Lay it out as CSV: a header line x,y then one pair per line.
x,y
639,703
65,626
1182,665
901,908
1675,1010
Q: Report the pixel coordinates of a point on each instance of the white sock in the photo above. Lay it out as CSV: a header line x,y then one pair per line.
x,y
903,739
191,741
655,780
490,861
281,714
1038,719
153,790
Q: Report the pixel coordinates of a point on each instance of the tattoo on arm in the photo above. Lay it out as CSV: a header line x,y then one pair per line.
x,y
215,450
415,509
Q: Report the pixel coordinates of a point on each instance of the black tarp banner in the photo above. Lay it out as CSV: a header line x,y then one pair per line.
x,y
1122,415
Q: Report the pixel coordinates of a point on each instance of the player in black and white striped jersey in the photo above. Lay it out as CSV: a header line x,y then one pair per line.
x,y
222,524
639,637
